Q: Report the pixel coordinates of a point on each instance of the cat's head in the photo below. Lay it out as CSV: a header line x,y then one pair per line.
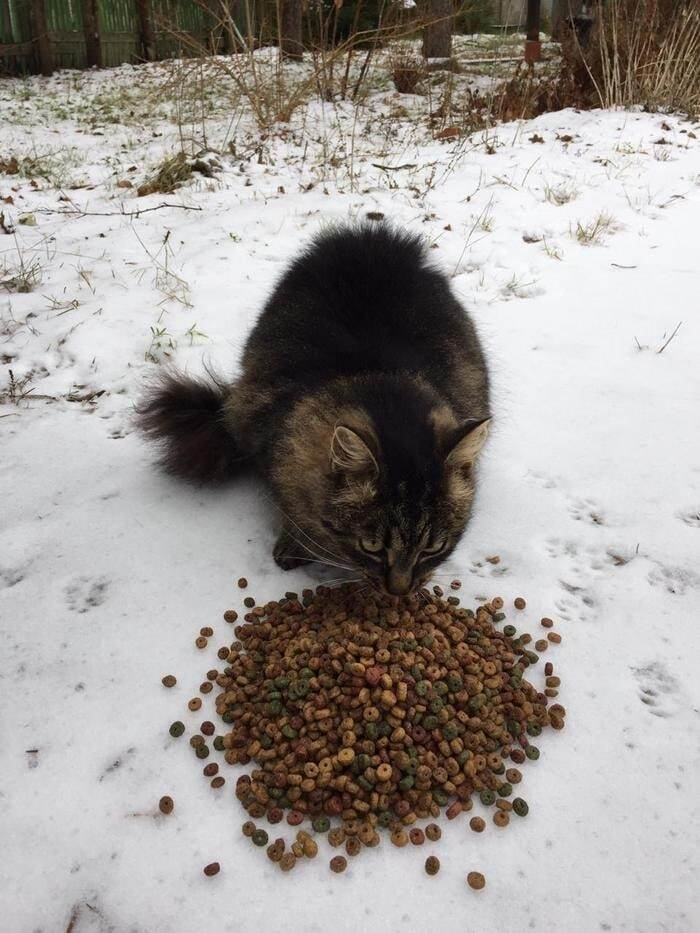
x,y
397,506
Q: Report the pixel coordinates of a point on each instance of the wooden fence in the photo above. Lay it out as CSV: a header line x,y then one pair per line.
x,y
43,35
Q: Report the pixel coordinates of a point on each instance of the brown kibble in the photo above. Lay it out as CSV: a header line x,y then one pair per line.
x,y
547,623
288,861
206,687
456,585
230,616
497,603
548,669
201,642
242,583
213,868
336,836
494,560
433,832
453,810
476,880
541,644
432,865
554,637
206,631
551,692
477,824
169,680
207,728
417,836
195,704
249,602
310,848
353,845
165,805
210,770
519,602
338,864
399,838
196,741
501,818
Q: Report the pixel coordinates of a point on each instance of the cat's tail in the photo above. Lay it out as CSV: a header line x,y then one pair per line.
x,y
184,417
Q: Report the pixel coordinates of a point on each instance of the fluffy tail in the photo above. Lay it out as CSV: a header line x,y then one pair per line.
x,y
184,417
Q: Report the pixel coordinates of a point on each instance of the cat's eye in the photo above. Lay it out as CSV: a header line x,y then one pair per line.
x,y
435,547
371,545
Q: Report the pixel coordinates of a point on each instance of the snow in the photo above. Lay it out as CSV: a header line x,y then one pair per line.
x,y
590,494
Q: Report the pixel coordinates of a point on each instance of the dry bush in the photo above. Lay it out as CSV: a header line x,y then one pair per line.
x,y
641,52
407,69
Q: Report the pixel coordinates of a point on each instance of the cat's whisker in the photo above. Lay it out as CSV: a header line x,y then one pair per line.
x,y
327,563
301,530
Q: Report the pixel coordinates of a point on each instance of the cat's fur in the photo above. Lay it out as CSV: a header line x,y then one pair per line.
x,y
363,401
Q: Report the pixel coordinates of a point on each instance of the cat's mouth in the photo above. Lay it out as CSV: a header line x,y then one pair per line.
x,y
389,585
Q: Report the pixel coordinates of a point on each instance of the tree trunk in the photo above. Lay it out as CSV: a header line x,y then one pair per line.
x,y
437,34
148,33
290,29
41,37
91,25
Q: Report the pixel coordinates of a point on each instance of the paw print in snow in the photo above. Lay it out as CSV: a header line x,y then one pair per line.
x,y
690,516
658,689
586,510
675,580
85,593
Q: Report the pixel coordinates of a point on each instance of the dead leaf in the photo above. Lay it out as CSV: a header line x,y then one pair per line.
x,y
124,183
450,132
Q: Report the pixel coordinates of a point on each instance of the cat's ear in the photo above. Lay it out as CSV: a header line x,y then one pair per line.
x,y
465,442
351,454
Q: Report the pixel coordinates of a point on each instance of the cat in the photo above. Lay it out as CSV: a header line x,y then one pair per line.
x,y
363,402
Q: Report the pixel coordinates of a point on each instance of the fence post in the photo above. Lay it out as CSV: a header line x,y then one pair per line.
x,y
93,42
41,36
148,34
533,48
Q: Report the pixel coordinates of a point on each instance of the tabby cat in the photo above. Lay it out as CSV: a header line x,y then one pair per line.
x,y
363,401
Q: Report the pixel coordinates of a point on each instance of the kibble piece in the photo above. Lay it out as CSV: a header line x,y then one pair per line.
x,y
249,602
242,583
338,863
520,807
177,729
310,848
501,818
201,642
230,616
548,669
169,680
210,770
248,828
207,632
353,845
202,751
336,837
294,817
477,824
321,824
217,782
432,865
259,837
433,832
196,741
165,804
399,838
212,868
195,704
519,602
476,880
456,584
207,728
547,623
288,861
541,644
417,836
275,851
554,637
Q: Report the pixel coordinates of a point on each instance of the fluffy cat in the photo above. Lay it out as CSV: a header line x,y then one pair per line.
x,y
363,402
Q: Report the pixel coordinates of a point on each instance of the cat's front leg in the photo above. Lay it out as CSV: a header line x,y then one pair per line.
x,y
288,553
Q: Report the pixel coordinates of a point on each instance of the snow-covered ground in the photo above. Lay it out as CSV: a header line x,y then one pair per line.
x,y
573,241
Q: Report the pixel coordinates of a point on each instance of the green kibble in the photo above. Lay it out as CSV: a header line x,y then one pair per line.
x,y
509,630
430,723
259,837
321,824
440,797
450,731
534,728
218,743
532,752
505,790
520,807
202,751
487,797
499,617
177,729
405,783
288,732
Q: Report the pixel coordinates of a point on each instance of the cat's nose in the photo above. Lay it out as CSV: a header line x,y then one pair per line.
x,y
398,583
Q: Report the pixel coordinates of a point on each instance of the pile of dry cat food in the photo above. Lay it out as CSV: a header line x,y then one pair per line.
x,y
362,712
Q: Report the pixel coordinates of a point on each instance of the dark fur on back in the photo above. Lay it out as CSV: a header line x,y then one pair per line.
x,y
184,416
362,400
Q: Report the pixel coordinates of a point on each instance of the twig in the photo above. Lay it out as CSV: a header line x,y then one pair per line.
x,y
136,213
678,325
394,168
